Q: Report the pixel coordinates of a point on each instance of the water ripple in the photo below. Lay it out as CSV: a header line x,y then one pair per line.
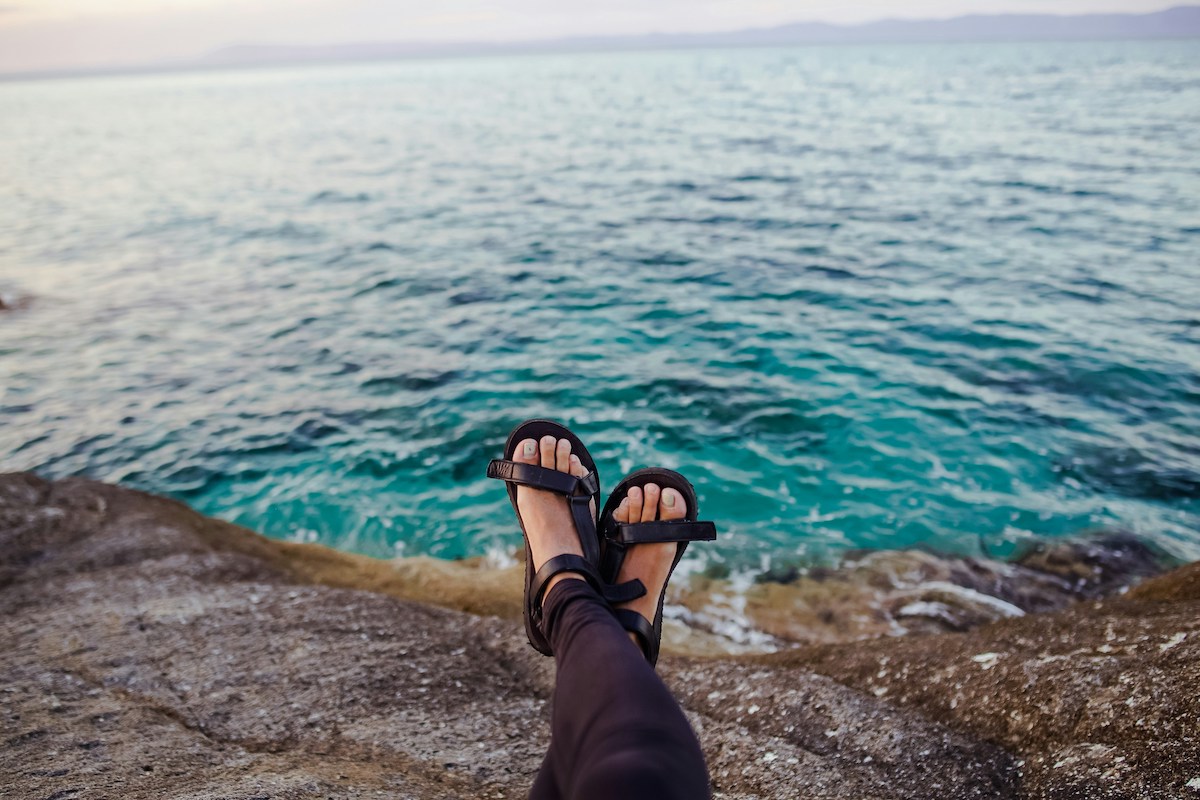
x,y
860,302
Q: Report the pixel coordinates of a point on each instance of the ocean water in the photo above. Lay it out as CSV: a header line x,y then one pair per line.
x,y
861,296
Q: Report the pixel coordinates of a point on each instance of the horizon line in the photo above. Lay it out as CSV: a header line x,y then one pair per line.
x,y
339,52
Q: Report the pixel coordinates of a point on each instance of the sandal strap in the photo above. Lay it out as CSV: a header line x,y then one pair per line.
x,y
640,627
569,562
664,530
585,526
616,593
538,477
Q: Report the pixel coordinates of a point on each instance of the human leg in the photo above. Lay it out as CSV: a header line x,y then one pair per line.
x,y
616,730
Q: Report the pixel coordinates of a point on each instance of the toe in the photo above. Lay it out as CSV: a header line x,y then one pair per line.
x,y
650,495
549,451
526,452
562,455
577,467
579,470
634,508
622,512
671,505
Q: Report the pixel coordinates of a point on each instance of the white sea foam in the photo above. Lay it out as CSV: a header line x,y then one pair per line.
x,y
1002,607
498,557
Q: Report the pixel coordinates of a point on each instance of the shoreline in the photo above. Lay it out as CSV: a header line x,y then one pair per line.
x,y
866,594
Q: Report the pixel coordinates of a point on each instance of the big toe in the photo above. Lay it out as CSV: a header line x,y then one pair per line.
x,y
526,452
671,505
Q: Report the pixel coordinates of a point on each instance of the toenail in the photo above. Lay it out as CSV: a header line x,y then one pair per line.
x,y
669,499
530,448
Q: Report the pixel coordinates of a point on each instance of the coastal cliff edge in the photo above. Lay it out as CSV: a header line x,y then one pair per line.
x,y
152,652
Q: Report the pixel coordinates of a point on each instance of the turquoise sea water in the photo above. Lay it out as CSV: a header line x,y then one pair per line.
x,y
863,296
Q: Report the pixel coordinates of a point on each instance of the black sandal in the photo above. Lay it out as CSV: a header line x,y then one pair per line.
x,y
579,493
618,537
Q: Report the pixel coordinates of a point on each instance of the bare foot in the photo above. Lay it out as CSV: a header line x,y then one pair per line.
x,y
547,517
651,563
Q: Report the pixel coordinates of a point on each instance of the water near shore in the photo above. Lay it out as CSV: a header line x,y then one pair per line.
x,y
865,296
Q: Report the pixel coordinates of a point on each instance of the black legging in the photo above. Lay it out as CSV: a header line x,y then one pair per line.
x,y
615,729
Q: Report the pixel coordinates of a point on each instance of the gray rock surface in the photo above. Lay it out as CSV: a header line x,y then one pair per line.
x,y
150,652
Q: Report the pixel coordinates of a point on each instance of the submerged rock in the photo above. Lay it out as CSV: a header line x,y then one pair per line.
x,y
13,302
1095,566
150,652
894,592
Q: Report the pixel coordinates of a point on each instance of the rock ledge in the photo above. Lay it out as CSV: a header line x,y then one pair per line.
x,y
150,652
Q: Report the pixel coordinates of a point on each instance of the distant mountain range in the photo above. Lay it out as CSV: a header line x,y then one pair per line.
x,y
1182,22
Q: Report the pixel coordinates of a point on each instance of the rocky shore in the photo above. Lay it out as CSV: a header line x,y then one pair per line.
x,y
14,302
151,652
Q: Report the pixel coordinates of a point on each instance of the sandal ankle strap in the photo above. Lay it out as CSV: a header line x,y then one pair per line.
x,y
569,562
640,627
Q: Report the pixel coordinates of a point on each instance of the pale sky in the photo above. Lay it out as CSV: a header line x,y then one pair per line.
x,y
54,34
